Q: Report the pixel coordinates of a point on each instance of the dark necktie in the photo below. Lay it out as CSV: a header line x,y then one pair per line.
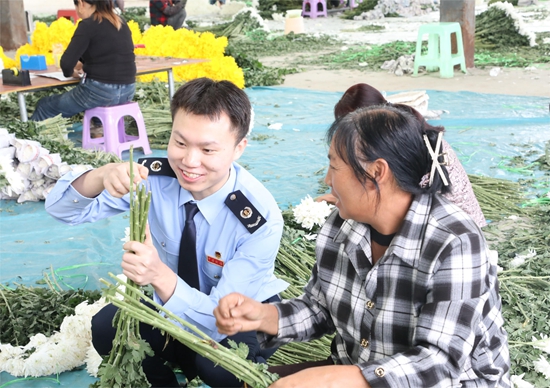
x,y
187,263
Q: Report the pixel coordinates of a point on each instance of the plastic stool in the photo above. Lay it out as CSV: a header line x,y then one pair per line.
x,y
354,4
68,13
313,8
115,139
439,49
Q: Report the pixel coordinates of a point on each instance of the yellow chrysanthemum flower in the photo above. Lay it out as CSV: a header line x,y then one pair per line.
x,y
159,41
7,61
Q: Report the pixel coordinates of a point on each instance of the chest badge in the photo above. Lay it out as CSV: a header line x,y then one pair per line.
x,y
217,260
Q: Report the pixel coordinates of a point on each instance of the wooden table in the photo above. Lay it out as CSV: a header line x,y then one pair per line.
x,y
144,65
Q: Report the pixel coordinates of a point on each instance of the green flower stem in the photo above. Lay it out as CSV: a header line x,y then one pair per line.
x,y
199,342
127,345
517,344
518,305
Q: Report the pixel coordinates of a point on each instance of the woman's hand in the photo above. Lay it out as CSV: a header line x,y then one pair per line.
x,y
333,376
236,313
78,70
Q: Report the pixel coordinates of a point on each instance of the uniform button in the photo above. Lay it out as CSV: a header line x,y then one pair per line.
x,y
216,276
364,343
163,244
369,304
380,372
75,200
233,197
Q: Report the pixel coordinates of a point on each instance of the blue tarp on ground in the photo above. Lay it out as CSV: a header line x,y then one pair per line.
x,y
484,129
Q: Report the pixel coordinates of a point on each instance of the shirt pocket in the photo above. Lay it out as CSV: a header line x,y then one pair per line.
x,y
168,248
212,270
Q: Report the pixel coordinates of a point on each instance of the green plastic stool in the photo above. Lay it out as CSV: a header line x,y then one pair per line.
x,y
439,49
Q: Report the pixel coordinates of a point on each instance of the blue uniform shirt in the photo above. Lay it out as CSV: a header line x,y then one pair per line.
x,y
230,258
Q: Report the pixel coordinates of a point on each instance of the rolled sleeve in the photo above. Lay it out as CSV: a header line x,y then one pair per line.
x,y
67,205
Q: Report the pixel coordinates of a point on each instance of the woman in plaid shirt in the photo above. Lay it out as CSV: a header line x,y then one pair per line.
x,y
402,275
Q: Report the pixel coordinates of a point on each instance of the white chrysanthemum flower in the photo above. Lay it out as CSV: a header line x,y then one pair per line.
x,y
93,360
8,351
64,350
517,261
543,343
518,382
520,259
542,366
126,237
310,213
253,14
15,179
508,8
140,93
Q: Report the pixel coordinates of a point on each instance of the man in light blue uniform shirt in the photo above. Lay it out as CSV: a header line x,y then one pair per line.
x,y
238,226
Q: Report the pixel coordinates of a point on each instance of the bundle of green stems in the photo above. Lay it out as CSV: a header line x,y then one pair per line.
x,y
123,368
255,375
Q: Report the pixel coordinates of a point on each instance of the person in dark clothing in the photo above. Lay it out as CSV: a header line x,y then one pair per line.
x,y
119,4
167,12
101,54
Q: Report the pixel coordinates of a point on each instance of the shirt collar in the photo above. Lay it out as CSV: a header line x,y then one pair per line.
x,y
407,244
214,203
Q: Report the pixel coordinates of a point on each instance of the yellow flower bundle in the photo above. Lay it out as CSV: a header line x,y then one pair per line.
x,y
44,38
158,40
7,61
182,43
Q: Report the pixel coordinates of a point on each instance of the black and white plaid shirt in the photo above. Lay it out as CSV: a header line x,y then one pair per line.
x,y
427,314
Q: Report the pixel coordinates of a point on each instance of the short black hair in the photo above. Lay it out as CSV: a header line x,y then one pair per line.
x,y
389,133
206,97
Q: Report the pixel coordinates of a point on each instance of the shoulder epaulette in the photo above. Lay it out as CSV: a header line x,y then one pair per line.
x,y
158,166
243,209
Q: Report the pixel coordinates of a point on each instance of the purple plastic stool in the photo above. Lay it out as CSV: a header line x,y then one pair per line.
x,y
313,8
115,139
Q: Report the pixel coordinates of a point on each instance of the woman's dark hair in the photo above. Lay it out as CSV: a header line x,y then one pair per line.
x,y
104,9
389,133
358,96
364,95
206,97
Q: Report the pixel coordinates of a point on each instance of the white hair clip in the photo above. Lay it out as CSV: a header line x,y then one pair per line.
x,y
436,165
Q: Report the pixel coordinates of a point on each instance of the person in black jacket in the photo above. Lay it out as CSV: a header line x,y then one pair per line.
x,y
101,54
167,12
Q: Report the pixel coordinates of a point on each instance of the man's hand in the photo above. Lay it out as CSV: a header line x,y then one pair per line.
x,y
142,264
116,179
113,177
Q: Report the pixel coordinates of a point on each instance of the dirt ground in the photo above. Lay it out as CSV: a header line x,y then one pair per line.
x,y
519,82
